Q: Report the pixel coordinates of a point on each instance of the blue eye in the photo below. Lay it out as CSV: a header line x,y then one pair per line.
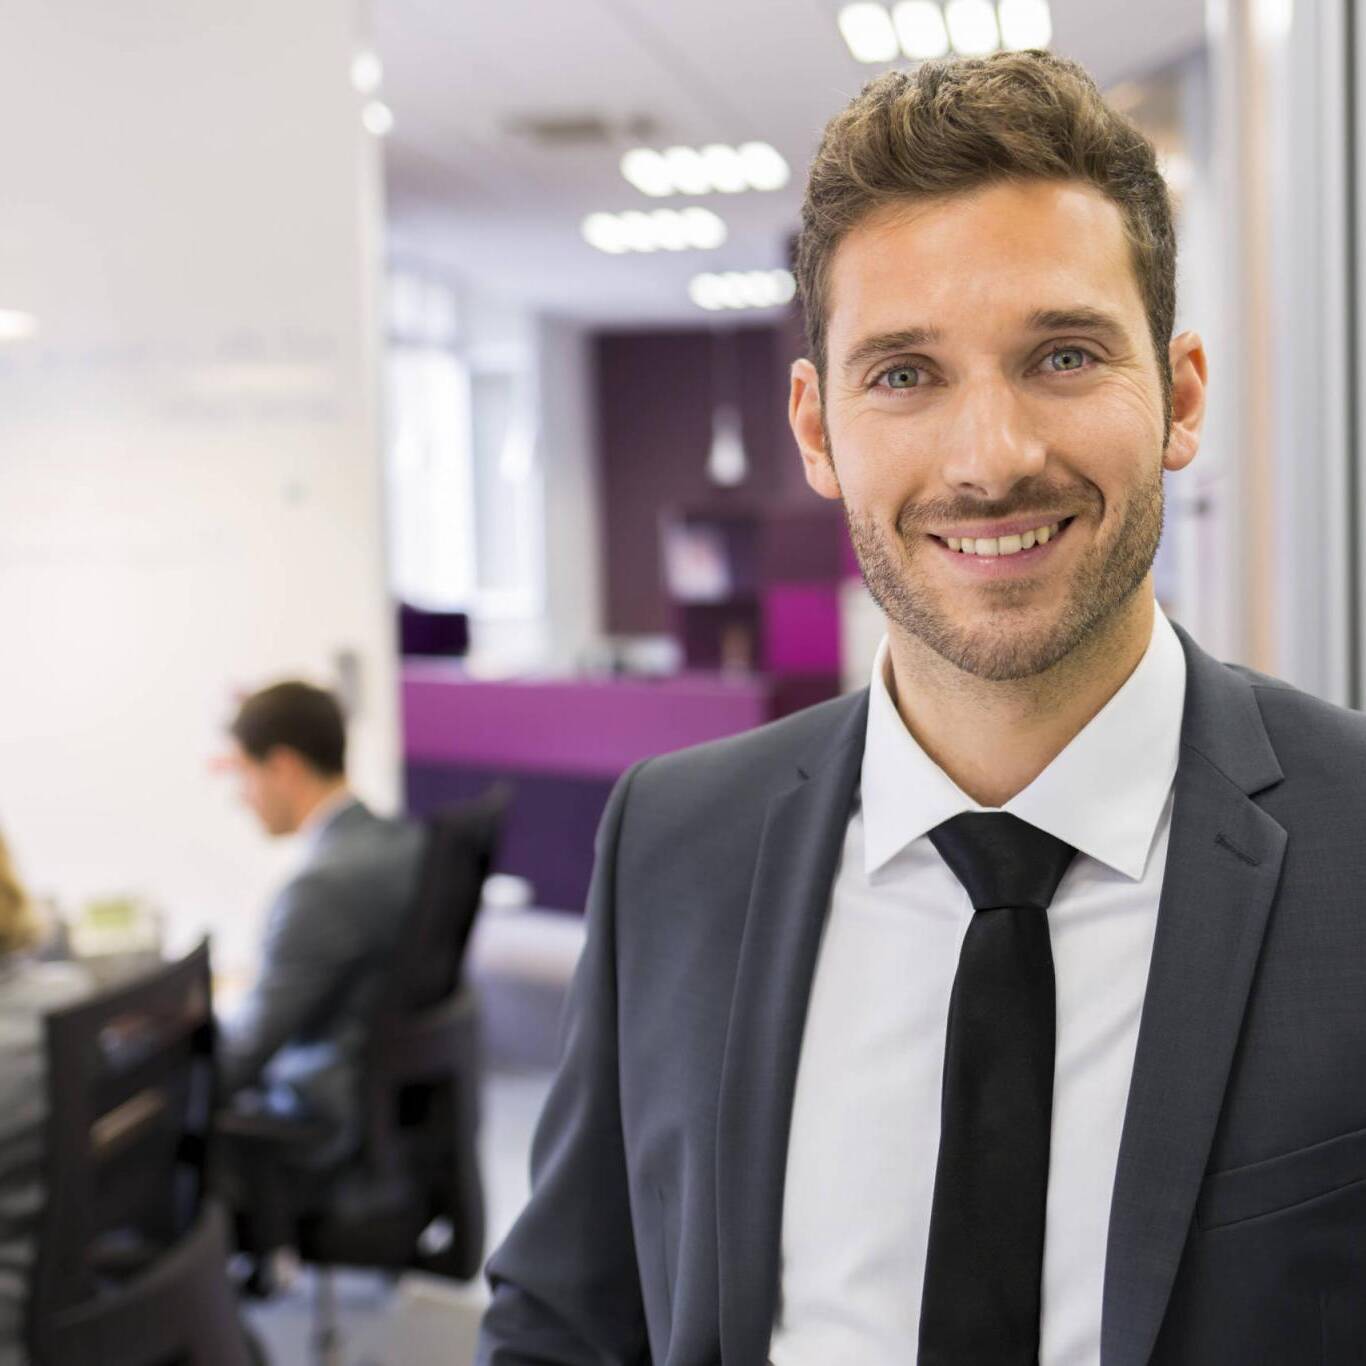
x,y
902,377
1067,358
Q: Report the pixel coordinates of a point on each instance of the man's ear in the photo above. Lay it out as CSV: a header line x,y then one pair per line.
x,y
284,761
1190,375
804,414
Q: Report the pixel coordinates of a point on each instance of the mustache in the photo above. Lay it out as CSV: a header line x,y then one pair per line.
x,y
1043,503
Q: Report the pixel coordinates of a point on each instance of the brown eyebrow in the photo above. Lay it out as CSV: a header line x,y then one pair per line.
x,y
885,343
1092,320
1077,320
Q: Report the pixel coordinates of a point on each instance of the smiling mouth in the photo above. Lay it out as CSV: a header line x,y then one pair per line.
x,y
999,547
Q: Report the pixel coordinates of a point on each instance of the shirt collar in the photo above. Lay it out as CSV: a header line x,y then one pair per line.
x,y
321,818
1103,794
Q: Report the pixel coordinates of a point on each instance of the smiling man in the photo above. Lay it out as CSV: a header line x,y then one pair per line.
x,y
1008,1012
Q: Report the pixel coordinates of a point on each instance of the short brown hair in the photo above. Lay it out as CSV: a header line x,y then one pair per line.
x,y
298,716
955,125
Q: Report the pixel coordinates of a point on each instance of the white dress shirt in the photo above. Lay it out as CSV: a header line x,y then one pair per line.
x,y
865,1126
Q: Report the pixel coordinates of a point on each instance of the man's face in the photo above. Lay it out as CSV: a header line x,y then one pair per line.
x,y
264,786
990,373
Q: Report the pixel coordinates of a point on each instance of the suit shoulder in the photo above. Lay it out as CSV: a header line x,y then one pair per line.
x,y
753,759
379,842
1306,730
736,773
374,865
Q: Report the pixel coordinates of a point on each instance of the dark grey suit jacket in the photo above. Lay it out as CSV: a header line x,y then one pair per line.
x,y
1238,1226
328,940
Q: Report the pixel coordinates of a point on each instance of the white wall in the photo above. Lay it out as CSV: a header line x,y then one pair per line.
x,y
189,478
568,452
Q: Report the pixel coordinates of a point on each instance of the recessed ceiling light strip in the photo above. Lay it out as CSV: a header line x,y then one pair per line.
x,y
713,169
922,29
693,228
742,289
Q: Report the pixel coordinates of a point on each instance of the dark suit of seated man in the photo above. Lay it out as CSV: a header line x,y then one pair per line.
x,y
292,1048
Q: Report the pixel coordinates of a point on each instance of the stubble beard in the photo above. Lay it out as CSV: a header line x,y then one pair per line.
x,y
1012,646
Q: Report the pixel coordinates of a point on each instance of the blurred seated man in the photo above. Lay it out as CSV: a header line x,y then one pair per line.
x,y
292,1047
28,991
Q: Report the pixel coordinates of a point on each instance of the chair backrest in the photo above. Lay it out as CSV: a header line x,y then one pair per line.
x,y
420,1072
461,844
180,1311
130,1097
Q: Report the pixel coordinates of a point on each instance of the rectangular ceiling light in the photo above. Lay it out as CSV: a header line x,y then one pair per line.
x,y
923,29
1025,23
713,169
920,27
868,31
693,228
743,289
972,27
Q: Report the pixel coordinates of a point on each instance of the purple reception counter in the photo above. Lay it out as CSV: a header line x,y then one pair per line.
x,y
597,727
562,743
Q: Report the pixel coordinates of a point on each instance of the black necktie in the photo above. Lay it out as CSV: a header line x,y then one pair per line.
x,y
984,1267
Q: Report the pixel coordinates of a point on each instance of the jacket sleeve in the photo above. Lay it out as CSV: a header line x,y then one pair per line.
x,y
308,956
566,1291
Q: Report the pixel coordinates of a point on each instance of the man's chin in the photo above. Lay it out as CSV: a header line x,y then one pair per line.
x,y
1003,646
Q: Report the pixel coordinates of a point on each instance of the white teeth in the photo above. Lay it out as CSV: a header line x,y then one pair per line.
x,y
992,546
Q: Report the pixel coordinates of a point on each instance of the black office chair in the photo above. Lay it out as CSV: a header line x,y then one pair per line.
x,y
420,1074
180,1310
412,1197
131,1261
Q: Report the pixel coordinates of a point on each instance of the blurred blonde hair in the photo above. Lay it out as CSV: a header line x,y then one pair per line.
x,y
18,927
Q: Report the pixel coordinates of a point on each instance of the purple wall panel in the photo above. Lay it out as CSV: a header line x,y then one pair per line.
x,y
655,395
801,631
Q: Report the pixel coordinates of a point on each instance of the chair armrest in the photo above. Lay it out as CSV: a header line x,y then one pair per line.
x,y
275,1131
430,1045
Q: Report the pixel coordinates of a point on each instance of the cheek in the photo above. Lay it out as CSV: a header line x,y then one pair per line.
x,y
883,463
1117,428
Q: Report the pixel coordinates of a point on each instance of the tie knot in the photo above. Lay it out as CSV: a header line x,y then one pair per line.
x,y
1002,860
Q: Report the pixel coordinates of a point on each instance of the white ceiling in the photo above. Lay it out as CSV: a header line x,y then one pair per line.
x,y
471,197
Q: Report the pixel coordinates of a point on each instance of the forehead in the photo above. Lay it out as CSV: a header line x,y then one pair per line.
x,y
981,260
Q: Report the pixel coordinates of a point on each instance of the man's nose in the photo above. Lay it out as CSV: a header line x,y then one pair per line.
x,y
989,443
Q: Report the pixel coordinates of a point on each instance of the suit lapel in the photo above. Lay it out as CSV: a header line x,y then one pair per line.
x,y
798,855
1223,867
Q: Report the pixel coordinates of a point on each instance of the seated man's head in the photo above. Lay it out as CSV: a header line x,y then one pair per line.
x,y
289,751
988,266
